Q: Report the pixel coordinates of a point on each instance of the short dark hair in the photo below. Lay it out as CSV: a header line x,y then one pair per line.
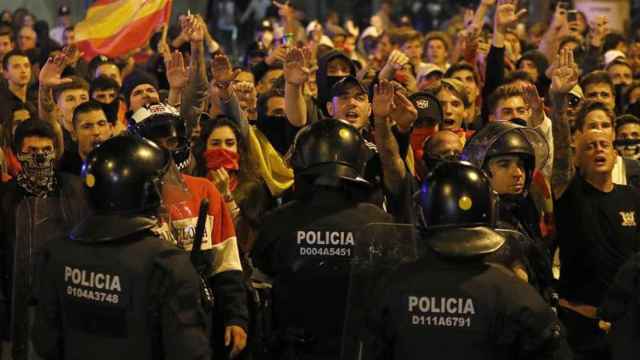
x,y
502,93
76,83
103,82
626,119
6,31
10,54
611,41
459,66
596,77
587,107
518,75
86,107
264,99
438,35
33,128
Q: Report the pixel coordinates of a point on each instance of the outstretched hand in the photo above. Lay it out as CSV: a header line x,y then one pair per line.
x,y
177,74
51,73
382,104
506,15
564,75
296,71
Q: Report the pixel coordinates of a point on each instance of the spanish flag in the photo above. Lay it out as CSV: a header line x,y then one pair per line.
x,y
116,27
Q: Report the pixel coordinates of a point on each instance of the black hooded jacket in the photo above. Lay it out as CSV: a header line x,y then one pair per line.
x,y
325,82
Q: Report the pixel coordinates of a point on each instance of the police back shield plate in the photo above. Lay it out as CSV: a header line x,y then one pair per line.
x,y
381,249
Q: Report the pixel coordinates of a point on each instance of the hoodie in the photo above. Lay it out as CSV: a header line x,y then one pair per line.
x,y
542,64
324,82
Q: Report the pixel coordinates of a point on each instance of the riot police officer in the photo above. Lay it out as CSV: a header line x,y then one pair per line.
x,y
450,303
512,155
305,246
114,289
221,266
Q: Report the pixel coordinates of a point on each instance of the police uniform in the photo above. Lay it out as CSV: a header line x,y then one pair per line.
x,y
306,245
221,266
450,304
113,288
517,211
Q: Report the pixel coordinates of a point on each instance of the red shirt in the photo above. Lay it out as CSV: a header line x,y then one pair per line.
x,y
220,235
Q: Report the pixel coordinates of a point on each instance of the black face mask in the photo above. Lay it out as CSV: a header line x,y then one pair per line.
x,y
111,110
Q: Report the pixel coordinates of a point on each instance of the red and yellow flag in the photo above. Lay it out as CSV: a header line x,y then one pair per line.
x,y
116,27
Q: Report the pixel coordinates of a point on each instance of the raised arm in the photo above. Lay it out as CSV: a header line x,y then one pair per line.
x,y
296,74
196,89
558,28
223,75
564,77
389,108
49,77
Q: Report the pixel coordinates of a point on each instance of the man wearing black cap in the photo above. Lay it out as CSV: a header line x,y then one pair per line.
x,y
139,89
429,117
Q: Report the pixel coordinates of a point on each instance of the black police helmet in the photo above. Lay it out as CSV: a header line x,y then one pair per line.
x,y
163,125
123,175
505,138
514,143
330,149
457,211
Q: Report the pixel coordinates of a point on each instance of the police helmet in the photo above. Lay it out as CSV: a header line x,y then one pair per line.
x,y
457,211
506,138
123,175
330,149
163,125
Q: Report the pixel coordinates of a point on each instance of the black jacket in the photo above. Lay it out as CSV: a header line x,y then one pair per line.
x,y
118,292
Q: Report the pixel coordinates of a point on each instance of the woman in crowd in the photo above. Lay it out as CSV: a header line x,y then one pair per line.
x,y
224,159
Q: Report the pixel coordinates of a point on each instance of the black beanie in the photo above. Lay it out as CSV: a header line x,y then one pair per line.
x,y
134,79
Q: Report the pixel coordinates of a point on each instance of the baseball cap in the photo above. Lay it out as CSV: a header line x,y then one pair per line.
x,y
429,108
342,86
428,69
612,55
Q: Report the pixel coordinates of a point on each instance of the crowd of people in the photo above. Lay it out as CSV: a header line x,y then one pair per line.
x,y
271,168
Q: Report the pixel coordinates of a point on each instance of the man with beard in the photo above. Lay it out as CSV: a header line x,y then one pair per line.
x,y
595,218
90,129
38,205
